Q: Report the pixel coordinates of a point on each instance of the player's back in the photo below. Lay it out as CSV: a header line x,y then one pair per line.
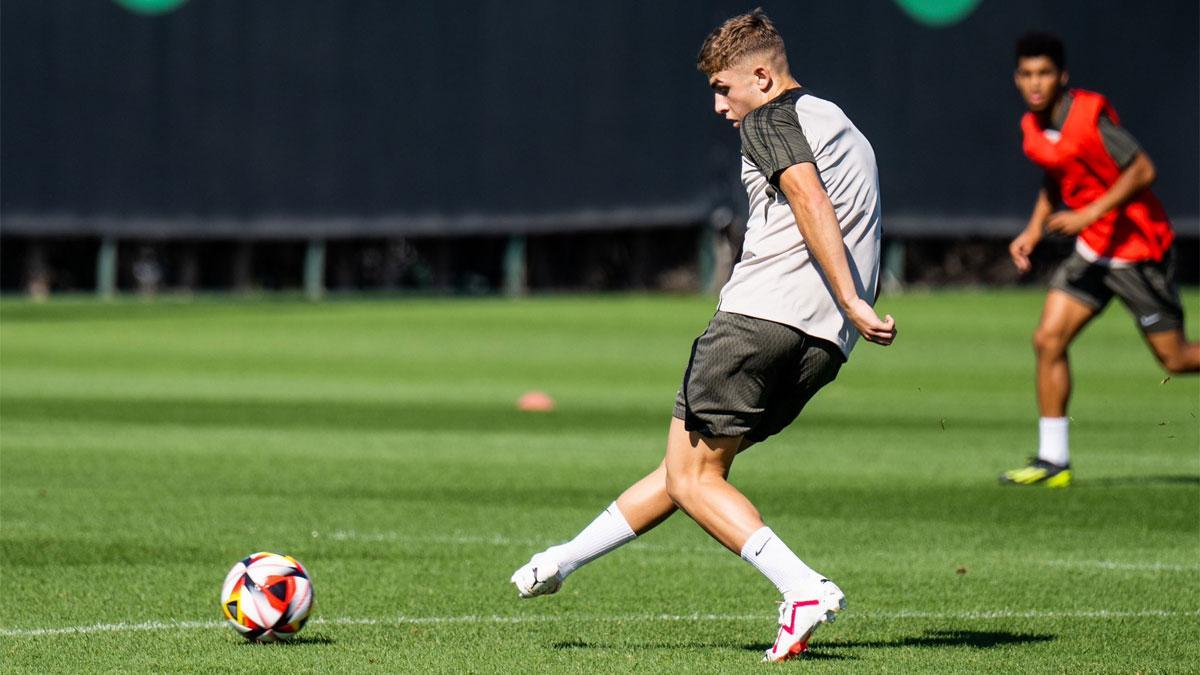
x,y
846,162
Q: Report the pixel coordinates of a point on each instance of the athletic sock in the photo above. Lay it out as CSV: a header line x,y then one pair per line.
x,y
775,561
1052,440
606,533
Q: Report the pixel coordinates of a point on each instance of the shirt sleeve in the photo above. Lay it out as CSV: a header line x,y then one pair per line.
x,y
773,140
1120,144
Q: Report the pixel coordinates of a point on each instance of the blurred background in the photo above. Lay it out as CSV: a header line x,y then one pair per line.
x,y
523,146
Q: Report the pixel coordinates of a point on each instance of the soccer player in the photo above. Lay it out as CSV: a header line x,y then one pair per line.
x,y
797,301
1096,169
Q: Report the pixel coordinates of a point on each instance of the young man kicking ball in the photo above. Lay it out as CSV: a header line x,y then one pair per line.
x,y
1122,246
797,301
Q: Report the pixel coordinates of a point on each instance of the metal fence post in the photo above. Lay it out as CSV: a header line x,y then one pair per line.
x,y
893,265
106,268
314,269
515,279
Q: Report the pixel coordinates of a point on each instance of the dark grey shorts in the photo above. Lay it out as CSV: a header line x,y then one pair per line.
x,y
1147,289
750,377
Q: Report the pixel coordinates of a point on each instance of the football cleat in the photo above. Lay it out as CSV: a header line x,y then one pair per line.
x,y
539,576
1038,472
800,615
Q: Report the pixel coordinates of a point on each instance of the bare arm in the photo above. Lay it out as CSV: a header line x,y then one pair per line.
x,y
1023,245
1138,176
1042,209
819,227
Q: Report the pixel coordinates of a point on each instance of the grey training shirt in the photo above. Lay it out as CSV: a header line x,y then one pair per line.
x,y
776,278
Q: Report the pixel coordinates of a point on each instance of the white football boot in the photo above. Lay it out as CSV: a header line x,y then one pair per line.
x,y
800,614
539,576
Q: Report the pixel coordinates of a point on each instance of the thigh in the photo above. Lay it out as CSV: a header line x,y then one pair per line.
x,y
1172,349
1148,289
1064,315
690,454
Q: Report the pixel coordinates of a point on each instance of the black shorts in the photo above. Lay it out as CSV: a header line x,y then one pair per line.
x,y
1147,289
751,377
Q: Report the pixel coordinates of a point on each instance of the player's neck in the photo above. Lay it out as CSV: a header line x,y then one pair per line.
x,y
1052,111
784,84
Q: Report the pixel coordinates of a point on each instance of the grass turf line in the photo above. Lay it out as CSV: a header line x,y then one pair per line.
x,y
147,447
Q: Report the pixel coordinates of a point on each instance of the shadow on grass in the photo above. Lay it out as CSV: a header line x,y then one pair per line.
x,y
299,641
366,415
827,650
579,644
1139,481
937,638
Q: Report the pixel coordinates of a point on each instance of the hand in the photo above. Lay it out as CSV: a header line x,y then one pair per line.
x,y
1070,222
1021,247
873,329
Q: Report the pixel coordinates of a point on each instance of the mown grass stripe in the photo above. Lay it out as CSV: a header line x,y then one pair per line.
x,y
468,618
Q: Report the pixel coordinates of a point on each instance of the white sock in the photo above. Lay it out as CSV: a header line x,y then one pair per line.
x,y
606,533
1052,440
776,561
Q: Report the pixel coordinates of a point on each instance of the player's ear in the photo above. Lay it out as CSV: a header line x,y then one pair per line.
x,y
1063,77
762,78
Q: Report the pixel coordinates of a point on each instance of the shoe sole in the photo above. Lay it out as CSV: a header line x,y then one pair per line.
x,y
526,596
1059,480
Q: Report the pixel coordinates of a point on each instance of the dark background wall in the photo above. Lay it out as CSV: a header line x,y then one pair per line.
x,y
311,108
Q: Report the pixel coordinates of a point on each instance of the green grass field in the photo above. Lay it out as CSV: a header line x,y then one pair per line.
x,y
146,447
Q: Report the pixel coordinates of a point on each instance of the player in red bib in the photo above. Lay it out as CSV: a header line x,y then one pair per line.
x,y
1100,176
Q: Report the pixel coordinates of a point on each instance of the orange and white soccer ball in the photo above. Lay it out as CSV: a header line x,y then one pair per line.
x,y
267,597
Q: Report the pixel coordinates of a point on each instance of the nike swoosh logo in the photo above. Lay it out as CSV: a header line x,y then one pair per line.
x,y
764,545
1148,319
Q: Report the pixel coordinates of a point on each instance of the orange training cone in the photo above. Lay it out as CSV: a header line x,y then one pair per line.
x,y
535,401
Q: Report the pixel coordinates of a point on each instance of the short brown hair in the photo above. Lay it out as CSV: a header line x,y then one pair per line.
x,y
737,37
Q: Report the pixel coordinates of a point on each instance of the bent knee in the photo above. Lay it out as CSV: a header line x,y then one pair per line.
x,y
681,487
1176,355
1178,364
686,488
676,489
1049,342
